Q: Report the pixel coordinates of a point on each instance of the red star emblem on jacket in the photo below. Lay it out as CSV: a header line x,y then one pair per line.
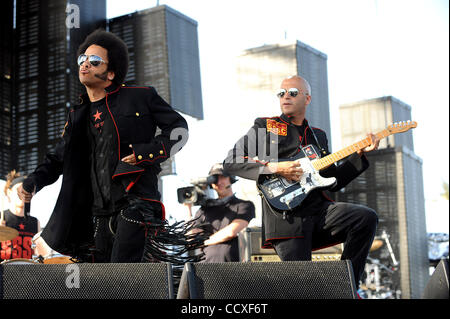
x,y
97,115
21,226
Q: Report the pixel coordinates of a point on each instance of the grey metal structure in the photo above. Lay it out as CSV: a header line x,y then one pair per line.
x,y
6,85
260,72
44,76
40,76
373,115
163,51
393,187
163,48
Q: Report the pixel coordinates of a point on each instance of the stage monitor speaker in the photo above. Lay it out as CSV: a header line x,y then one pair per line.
x,y
269,280
86,281
437,286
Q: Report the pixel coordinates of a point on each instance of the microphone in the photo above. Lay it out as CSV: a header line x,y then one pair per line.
x,y
26,211
28,186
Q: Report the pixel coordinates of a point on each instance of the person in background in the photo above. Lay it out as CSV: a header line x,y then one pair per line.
x,y
14,217
223,218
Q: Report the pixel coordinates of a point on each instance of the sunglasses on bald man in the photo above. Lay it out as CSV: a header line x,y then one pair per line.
x,y
292,92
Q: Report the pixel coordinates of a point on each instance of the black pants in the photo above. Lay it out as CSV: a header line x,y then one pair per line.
x,y
351,224
119,239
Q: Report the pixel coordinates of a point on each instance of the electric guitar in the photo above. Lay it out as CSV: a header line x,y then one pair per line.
x,y
283,194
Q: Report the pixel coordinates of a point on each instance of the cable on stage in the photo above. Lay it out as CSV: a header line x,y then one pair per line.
x,y
168,243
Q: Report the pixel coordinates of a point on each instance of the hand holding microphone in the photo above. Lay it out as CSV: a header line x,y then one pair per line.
x,y
25,193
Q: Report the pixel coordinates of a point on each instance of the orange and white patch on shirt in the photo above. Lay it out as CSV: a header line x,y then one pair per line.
x,y
276,127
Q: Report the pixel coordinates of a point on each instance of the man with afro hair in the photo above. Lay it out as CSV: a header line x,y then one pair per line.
x,y
108,208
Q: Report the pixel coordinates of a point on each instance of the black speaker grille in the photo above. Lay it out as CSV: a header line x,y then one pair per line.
x,y
272,280
87,281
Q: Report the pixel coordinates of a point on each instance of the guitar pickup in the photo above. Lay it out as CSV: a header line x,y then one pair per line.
x,y
273,188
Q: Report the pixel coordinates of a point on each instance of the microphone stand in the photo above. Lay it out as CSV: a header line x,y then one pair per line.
x,y
385,236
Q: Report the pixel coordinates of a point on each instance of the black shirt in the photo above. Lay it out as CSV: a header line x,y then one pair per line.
x,y
218,217
19,247
101,132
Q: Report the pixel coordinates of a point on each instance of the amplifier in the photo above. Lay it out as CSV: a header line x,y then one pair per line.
x,y
325,257
314,257
250,249
264,258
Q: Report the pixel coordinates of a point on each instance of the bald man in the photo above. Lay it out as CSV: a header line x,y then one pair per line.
x,y
318,221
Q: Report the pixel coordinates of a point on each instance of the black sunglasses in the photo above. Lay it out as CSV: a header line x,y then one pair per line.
x,y
292,92
94,60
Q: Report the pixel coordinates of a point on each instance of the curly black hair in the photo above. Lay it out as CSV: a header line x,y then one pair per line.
x,y
117,52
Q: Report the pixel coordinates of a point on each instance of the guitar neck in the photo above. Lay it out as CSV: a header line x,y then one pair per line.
x,y
337,156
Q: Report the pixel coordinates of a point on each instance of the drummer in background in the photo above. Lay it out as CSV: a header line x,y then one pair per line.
x,y
19,247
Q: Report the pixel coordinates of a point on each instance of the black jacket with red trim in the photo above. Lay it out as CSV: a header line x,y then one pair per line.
x,y
136,113
270,139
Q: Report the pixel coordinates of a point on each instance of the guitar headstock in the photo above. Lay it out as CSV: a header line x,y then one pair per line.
x,y
399,127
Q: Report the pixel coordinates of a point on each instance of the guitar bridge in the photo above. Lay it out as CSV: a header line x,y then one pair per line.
x,y
288,198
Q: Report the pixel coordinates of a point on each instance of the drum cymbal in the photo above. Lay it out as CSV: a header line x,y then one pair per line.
x,y
58,260
18,261
376,244
8,233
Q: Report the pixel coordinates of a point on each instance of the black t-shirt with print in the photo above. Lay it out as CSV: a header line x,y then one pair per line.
x,y
19,247
218,217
